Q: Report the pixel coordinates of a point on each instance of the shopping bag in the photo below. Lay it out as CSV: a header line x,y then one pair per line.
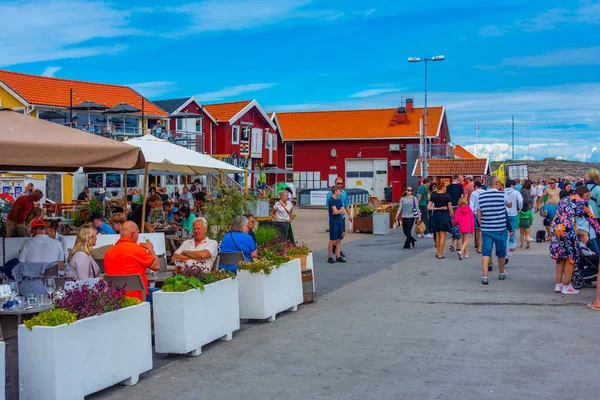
x,y
511,245
420,228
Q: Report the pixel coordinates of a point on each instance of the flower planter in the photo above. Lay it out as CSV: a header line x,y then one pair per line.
x,y
186,321
263,296
362,224
71,361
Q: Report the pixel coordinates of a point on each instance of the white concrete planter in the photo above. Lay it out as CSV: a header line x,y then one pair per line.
x,y
263,296
3,370
68,362
186,321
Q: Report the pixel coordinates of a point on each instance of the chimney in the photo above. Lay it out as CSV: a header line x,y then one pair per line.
x,y
409,105
402,117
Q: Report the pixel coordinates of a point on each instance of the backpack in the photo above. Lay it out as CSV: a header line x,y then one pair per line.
x,y
524,223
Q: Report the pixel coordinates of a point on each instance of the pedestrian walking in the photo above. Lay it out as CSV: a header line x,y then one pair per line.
x,y
516,201
474,204
408,213
492,217
456,190
423,198
563,236
464,219
594,203
440,203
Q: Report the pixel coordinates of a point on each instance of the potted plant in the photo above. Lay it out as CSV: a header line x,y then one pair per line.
x,y
303,253
193,309
94,330
268,285
363,221
229,204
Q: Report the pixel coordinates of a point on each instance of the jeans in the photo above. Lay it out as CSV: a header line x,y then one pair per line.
x,y
513,222
407,225
425,218
488,239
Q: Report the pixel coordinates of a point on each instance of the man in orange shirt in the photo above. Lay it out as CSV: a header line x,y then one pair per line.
x,y
127,257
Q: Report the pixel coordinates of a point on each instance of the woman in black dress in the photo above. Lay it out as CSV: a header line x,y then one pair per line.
x,y
440,203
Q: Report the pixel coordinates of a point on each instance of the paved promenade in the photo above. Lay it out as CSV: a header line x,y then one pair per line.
x,y
392,324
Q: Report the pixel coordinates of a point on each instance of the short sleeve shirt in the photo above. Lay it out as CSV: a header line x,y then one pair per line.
x,y
41,248
136,215
455,190
126,258
283,212
423,191
337,203
106,229
237,241
207,244
26,206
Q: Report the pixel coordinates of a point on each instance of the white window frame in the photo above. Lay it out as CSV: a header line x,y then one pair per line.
x,y
274,141
235,134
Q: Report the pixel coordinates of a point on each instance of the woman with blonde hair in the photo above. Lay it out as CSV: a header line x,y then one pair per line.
x,y
81,264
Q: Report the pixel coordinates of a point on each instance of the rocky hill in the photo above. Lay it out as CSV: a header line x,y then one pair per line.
x,y
553,168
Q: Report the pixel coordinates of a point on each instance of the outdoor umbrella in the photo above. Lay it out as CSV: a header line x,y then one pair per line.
x,y
52,115
31,144
163,155
122,109
186,115
89,106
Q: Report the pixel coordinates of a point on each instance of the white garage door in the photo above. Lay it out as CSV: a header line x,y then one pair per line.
x,y
367,173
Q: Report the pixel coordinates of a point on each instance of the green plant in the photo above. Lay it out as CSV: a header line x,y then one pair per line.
x,y
180,283
298,250
365,211
207,277
266,234
95,206
220,213
127,301
54,317
265,263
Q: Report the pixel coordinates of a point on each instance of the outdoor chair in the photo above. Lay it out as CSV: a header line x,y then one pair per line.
x,y
378,205
162,261
132,282
234,257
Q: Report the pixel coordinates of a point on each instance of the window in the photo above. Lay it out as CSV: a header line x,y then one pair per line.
x,y
95,180
235,134
198,124
289,155
113,180
274,141
132,181
179,124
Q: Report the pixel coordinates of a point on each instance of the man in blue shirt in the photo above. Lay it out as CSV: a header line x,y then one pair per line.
x,y
101,226
339,182
336,225
168,209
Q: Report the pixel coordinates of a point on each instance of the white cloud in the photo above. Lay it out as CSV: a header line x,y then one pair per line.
x,y
233,91
494,30
557,58
153,89
375,92
50,71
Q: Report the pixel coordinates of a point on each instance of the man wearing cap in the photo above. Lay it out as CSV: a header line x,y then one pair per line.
x,y
15,221
101,226
41,247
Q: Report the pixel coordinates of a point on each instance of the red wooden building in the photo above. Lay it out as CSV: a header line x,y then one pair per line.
x,y
369,148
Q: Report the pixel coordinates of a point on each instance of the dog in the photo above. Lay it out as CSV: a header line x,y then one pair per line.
x,y
540,237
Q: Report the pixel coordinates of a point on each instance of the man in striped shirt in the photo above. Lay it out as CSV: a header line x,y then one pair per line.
x,y
491,215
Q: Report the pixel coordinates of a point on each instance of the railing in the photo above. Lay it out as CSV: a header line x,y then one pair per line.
x,y
215,180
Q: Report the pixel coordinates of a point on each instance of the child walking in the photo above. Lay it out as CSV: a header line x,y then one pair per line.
x,y
465,220
524,222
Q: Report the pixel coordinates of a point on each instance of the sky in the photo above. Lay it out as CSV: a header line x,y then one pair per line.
x,y
536,60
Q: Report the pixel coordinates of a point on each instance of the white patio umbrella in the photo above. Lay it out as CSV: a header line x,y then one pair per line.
x,y
165,156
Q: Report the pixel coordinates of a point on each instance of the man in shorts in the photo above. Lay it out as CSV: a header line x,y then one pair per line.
x,y
336,225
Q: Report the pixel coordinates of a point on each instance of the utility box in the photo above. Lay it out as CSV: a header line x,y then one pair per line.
x,y
381,223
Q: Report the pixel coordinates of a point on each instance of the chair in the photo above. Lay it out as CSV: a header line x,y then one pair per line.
x,y
378,205
100,262
132,283
52,271
162,261
233,257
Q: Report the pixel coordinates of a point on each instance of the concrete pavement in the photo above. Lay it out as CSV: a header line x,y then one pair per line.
x,y
411,327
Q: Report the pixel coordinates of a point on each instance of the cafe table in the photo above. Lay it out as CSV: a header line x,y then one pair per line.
x,y
10,319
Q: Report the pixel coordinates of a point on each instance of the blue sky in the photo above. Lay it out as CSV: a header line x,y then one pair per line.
x,y
538,60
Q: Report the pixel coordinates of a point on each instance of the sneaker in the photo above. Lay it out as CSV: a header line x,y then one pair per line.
x,y
527,246
330,260
340,259
342,254
558,287
569,290
459,254
503,276
466,256
429,236
451,248
485,280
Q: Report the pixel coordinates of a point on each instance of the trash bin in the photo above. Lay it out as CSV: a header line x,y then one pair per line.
x,y
387,194
381,223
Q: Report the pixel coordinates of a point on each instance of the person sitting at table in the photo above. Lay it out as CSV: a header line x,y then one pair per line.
x,y
186,198
199,252
101,226
84,195
176,194
16,218
81,264
116,221
52,231
163,193
169,211
35,213
187,218
136,215
238,239
128,257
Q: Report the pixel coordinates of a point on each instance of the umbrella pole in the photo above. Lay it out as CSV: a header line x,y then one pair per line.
x,y
246,180
144,197
125,193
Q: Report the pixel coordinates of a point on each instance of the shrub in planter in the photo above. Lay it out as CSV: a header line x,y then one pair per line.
x,y
180,283
265,262
55,317
266,234
207,277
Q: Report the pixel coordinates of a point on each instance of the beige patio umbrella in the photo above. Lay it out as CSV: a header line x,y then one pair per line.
x,y
31,144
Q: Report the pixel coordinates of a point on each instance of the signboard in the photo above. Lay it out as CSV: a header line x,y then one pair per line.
x,y
518,171
244,148
318,197
236,160
256,150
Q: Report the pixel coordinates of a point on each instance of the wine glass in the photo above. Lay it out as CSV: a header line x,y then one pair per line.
x,y
50,287
14,290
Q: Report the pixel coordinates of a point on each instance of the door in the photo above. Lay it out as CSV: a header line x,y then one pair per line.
x,y
360,174
381,177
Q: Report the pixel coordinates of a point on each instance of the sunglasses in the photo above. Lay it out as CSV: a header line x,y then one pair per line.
x,y
339,183
409,190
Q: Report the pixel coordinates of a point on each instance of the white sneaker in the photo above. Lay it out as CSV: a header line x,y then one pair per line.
x,y
420,236
558,287
569,290
429,236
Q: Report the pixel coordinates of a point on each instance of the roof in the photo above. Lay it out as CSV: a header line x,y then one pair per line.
x,y
454,166
355,124
54,92
171,105
461,152
224,112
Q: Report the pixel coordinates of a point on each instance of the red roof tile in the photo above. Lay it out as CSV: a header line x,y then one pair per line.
x,y
453,166
223,112
46,91
355,124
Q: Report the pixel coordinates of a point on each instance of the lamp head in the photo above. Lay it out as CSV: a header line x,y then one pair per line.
x,y
438,58
413,59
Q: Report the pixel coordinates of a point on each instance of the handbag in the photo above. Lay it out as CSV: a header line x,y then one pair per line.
x,y
420,228
415,210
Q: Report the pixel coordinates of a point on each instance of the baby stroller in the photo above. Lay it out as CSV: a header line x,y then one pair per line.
x,y
587,272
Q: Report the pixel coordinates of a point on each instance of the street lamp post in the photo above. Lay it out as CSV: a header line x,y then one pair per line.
x,y
423,144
